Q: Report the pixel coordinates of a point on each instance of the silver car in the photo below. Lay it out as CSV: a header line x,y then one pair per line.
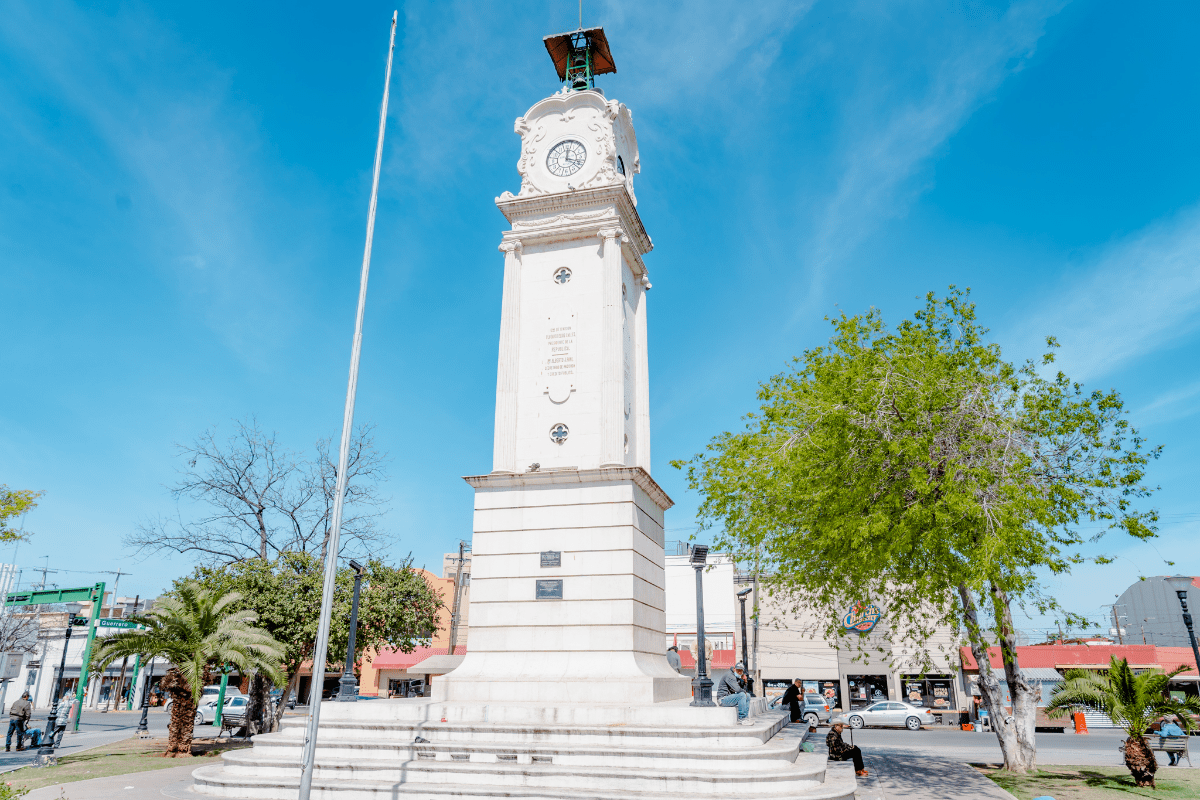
x,y
890,713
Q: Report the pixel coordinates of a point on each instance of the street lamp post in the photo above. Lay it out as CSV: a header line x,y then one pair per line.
x,y
143,724
1181,583
701,684
741,596
348,684
47,748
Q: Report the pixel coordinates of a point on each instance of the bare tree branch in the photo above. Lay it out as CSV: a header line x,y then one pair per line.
x,y
250,497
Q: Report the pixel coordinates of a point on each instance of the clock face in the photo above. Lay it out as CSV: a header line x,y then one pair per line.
x,y
566,158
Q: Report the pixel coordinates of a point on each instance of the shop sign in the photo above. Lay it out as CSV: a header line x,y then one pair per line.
x,y
862,618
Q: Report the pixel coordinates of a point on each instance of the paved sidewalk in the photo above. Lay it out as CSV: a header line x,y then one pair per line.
x,y
902,777
151,785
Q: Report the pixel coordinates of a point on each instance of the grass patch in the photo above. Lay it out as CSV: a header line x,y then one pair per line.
x,y
119,758
1094,783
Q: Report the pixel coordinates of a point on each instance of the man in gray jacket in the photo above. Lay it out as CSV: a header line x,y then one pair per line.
x,y
730,693
18,715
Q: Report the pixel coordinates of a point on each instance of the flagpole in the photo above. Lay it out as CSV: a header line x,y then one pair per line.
x,y
331,547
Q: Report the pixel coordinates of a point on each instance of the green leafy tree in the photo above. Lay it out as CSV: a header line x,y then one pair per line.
x,y
15,503
917,469
1132,701
396,608
196,630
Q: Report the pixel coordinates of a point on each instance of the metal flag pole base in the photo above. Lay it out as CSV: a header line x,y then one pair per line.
x,y
331,548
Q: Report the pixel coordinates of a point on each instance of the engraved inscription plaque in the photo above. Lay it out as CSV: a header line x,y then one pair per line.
x,y
559,353
551,558
549,590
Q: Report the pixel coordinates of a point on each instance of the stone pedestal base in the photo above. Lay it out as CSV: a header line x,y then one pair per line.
x,y
568,598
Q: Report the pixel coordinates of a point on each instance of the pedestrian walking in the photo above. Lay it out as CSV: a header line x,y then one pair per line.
x,y
18,718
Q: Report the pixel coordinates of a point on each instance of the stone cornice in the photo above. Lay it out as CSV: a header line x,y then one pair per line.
x,y
521,209
561,477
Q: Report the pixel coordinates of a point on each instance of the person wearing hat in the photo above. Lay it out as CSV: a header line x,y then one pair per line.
x,y
840,751
731,693
18,716
1170,729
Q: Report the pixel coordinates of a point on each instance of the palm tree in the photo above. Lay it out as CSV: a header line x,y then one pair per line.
x,y
1132,701
195,629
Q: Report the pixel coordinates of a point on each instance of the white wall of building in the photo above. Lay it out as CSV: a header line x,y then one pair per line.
x,y
719,602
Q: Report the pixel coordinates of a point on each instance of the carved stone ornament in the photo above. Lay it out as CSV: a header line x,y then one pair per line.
x,y
603,127
562,219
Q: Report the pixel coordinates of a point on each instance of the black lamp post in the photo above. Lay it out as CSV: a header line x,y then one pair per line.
x,y
1181,583
47,748
143,723
348,684
741,596
701,684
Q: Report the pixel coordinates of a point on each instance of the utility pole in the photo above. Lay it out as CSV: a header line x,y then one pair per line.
x,y
457,597
1117,623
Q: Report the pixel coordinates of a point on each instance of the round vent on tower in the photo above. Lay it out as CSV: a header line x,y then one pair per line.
x,y
559,433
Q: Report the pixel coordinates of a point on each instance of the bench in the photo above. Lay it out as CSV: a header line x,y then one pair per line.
x,y
231,723
1170,744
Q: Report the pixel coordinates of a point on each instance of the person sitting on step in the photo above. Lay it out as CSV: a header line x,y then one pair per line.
x,y
730,693
840,751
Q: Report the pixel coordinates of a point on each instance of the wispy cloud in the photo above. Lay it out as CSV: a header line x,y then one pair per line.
x,y
162,117
1170,406
1138,296
890,139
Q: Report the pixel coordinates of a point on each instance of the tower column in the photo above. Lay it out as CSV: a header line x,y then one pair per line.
x,y
612,385
642,401
504,453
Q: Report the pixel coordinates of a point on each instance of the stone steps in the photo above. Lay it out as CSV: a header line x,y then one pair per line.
x,y
369,753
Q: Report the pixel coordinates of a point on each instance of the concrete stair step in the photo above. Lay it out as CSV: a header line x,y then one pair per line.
x,y
708,737
839,784
780,750
802,774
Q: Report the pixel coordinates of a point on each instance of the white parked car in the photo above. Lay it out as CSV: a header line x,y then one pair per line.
x,y
890,713
208,696
206,713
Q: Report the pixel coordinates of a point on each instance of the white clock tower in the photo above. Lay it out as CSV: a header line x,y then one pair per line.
x,y
568,591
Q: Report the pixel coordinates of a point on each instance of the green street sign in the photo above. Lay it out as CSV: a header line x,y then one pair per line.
x,y
85,593
115,623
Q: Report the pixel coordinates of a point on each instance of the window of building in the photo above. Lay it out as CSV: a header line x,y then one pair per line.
x,y
867,689
928,691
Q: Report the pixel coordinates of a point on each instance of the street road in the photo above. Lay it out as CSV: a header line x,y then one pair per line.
x,y
1098,748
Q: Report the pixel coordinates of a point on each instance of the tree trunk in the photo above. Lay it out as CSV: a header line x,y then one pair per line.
x,y
1016,758
1140,761
277,712
257,704
183,714
1024,694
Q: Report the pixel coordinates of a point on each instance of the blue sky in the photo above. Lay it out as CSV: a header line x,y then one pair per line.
x,y
183,193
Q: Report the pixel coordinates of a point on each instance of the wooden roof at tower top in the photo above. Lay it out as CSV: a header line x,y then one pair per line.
x,y
559,48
